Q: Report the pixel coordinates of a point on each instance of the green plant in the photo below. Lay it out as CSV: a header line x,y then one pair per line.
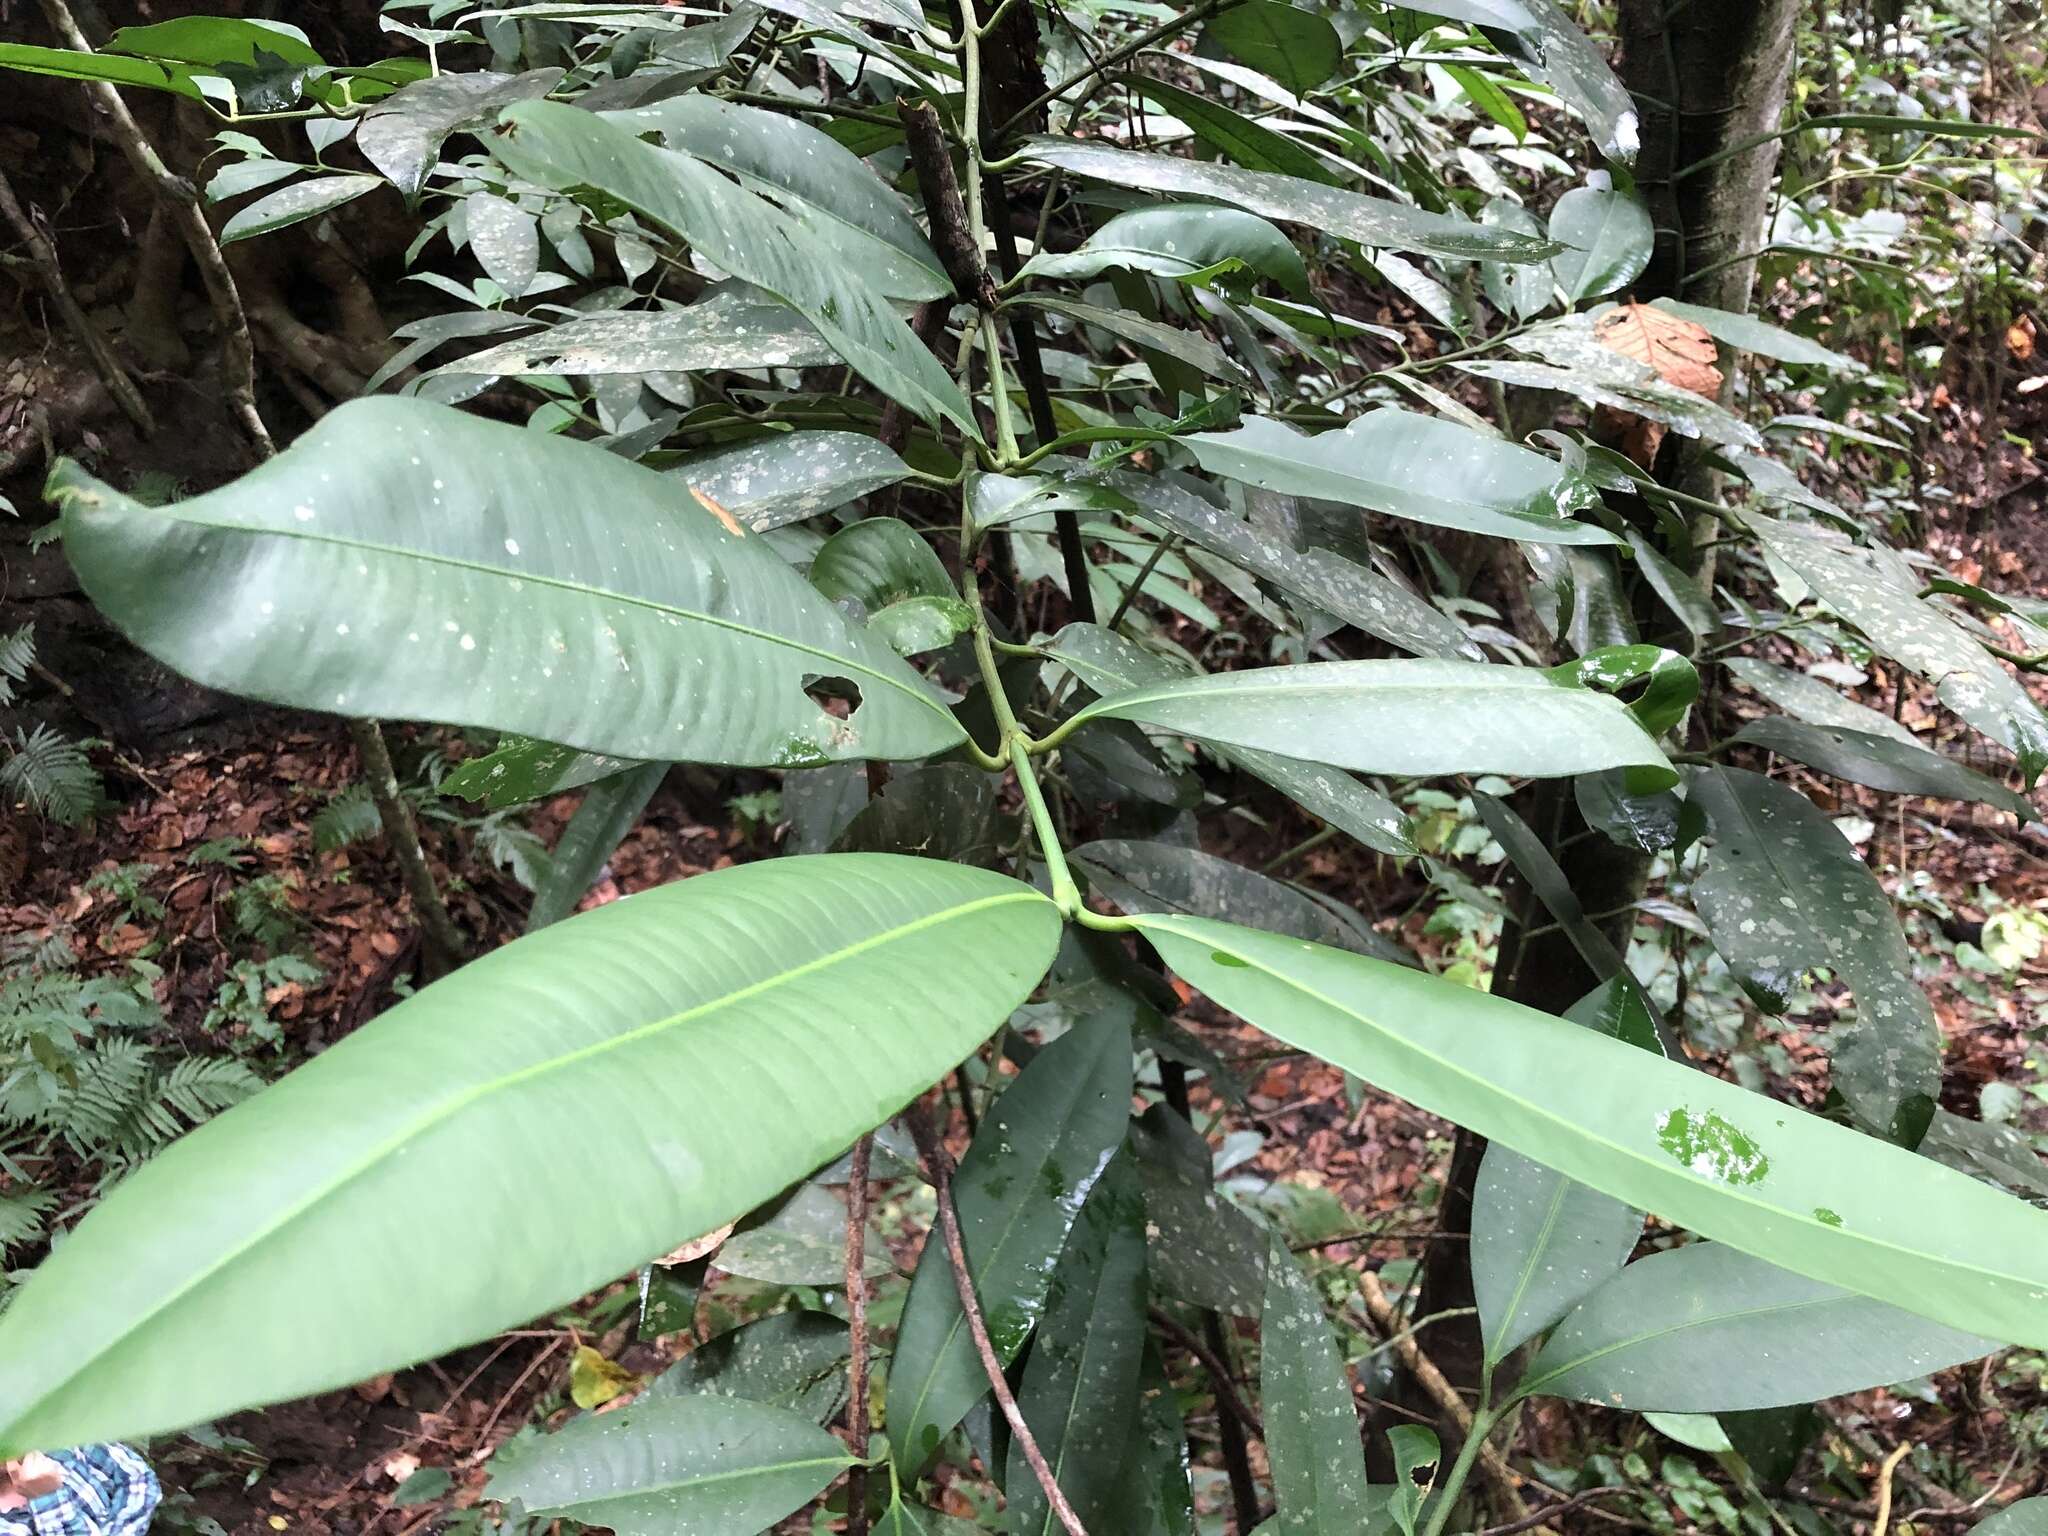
x,y
38,766
1154,406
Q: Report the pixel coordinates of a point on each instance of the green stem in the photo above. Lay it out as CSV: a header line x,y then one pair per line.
x,y
1483,1422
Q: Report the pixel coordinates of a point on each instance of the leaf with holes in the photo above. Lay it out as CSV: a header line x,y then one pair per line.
x,y
1786,1185
530,584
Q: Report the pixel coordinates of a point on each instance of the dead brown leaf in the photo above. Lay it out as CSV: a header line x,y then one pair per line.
x,y
1680,350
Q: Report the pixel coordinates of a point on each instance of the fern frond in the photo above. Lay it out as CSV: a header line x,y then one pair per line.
x,y
21,1217
53,776
350,817
17,651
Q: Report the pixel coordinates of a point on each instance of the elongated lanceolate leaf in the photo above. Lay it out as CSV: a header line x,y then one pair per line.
x,y
1249,144
1877,592
1108,663
562,147
609,811
710,1042
1814,701
1311,1426
1080,1388
833,192
1298,48
1540,1241
1175,240
1352,592
1368,220
1417,467
1550,47
1708,1329
402,135
1775,1181
673,1466
1041,1148
72,64
520,769
1784,894
1750,334
724,331
408,561
789,476
296,203
1405,717
1882,762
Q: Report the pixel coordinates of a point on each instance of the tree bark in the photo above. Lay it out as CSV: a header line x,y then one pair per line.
x,y
1704,76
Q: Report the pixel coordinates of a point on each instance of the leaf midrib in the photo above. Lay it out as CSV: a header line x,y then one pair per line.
x,y
1627,1152
446,1108
764,1469
560,584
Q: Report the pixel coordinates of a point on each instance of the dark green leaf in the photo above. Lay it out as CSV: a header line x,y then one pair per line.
x,y
569,150
70,64
1159,877
1312,1439
1519,290
1876,591
1785,893
879,561
520,769
1814,701
1154,1498
1184,346
792,1360
1881,762
1793,1188
1080,1388
935,810
1204,1249
1250,144
1607,235
672,1466
1298,48
759,1008
1704,1328
609,811
802,1243
834,193
1041,1149
1368,220
1175,240
532,584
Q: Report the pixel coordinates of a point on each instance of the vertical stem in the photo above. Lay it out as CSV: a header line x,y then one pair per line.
x,y
444,946
104,363
857,1325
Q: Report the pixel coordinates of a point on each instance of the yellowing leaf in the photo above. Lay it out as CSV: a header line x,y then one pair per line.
x,y
732,524
595,1381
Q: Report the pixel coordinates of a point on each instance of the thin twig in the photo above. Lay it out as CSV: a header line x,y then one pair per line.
x,y
104,363
1219,1372
1884,1487
443,940
1388,1319
1550,1512
857,1332
938,1167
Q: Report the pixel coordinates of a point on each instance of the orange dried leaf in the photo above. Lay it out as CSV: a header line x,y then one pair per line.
x,y
1681,351
732,524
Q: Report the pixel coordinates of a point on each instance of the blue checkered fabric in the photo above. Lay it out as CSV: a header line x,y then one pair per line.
x,y
108,1490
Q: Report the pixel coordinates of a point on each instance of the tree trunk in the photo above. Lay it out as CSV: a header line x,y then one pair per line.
x,y
1705,76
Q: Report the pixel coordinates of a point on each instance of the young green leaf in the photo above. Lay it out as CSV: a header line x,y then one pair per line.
x,y
1312,1438
668,1465
1770,1179
1412,717
1708,1329
408,561
1041,1149
700,1078
1607,238
1417,467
